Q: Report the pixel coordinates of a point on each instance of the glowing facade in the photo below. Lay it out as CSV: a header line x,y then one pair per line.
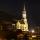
x,y
23,26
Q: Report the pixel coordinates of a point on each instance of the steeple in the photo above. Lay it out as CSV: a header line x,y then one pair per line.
x,y
24,13
24,7
24,16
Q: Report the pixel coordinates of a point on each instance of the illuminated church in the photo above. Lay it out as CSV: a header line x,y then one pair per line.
x,y
23,24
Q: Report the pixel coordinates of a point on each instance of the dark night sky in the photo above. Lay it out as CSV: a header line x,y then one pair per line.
x,y
36,11
12,7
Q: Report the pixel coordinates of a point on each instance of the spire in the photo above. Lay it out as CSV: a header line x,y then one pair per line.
x,y
24,7
24,12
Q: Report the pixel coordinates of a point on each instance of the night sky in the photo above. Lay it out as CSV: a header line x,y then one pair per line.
x,y
36,11
12,8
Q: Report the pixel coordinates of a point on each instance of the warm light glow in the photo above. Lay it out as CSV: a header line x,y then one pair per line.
x,y
13,24
27,30
24,26
33,31
30,38
25,20
33,35
18,25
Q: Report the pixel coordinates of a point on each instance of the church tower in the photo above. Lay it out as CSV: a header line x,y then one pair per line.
x,y
25,19
23,25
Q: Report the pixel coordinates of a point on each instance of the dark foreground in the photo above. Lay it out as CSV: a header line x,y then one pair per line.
x,y
18,35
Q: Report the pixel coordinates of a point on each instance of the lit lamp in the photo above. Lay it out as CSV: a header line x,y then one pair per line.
x,y
32,31
33,36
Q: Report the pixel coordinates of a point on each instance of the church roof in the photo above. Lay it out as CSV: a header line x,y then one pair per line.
x,y
21,21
